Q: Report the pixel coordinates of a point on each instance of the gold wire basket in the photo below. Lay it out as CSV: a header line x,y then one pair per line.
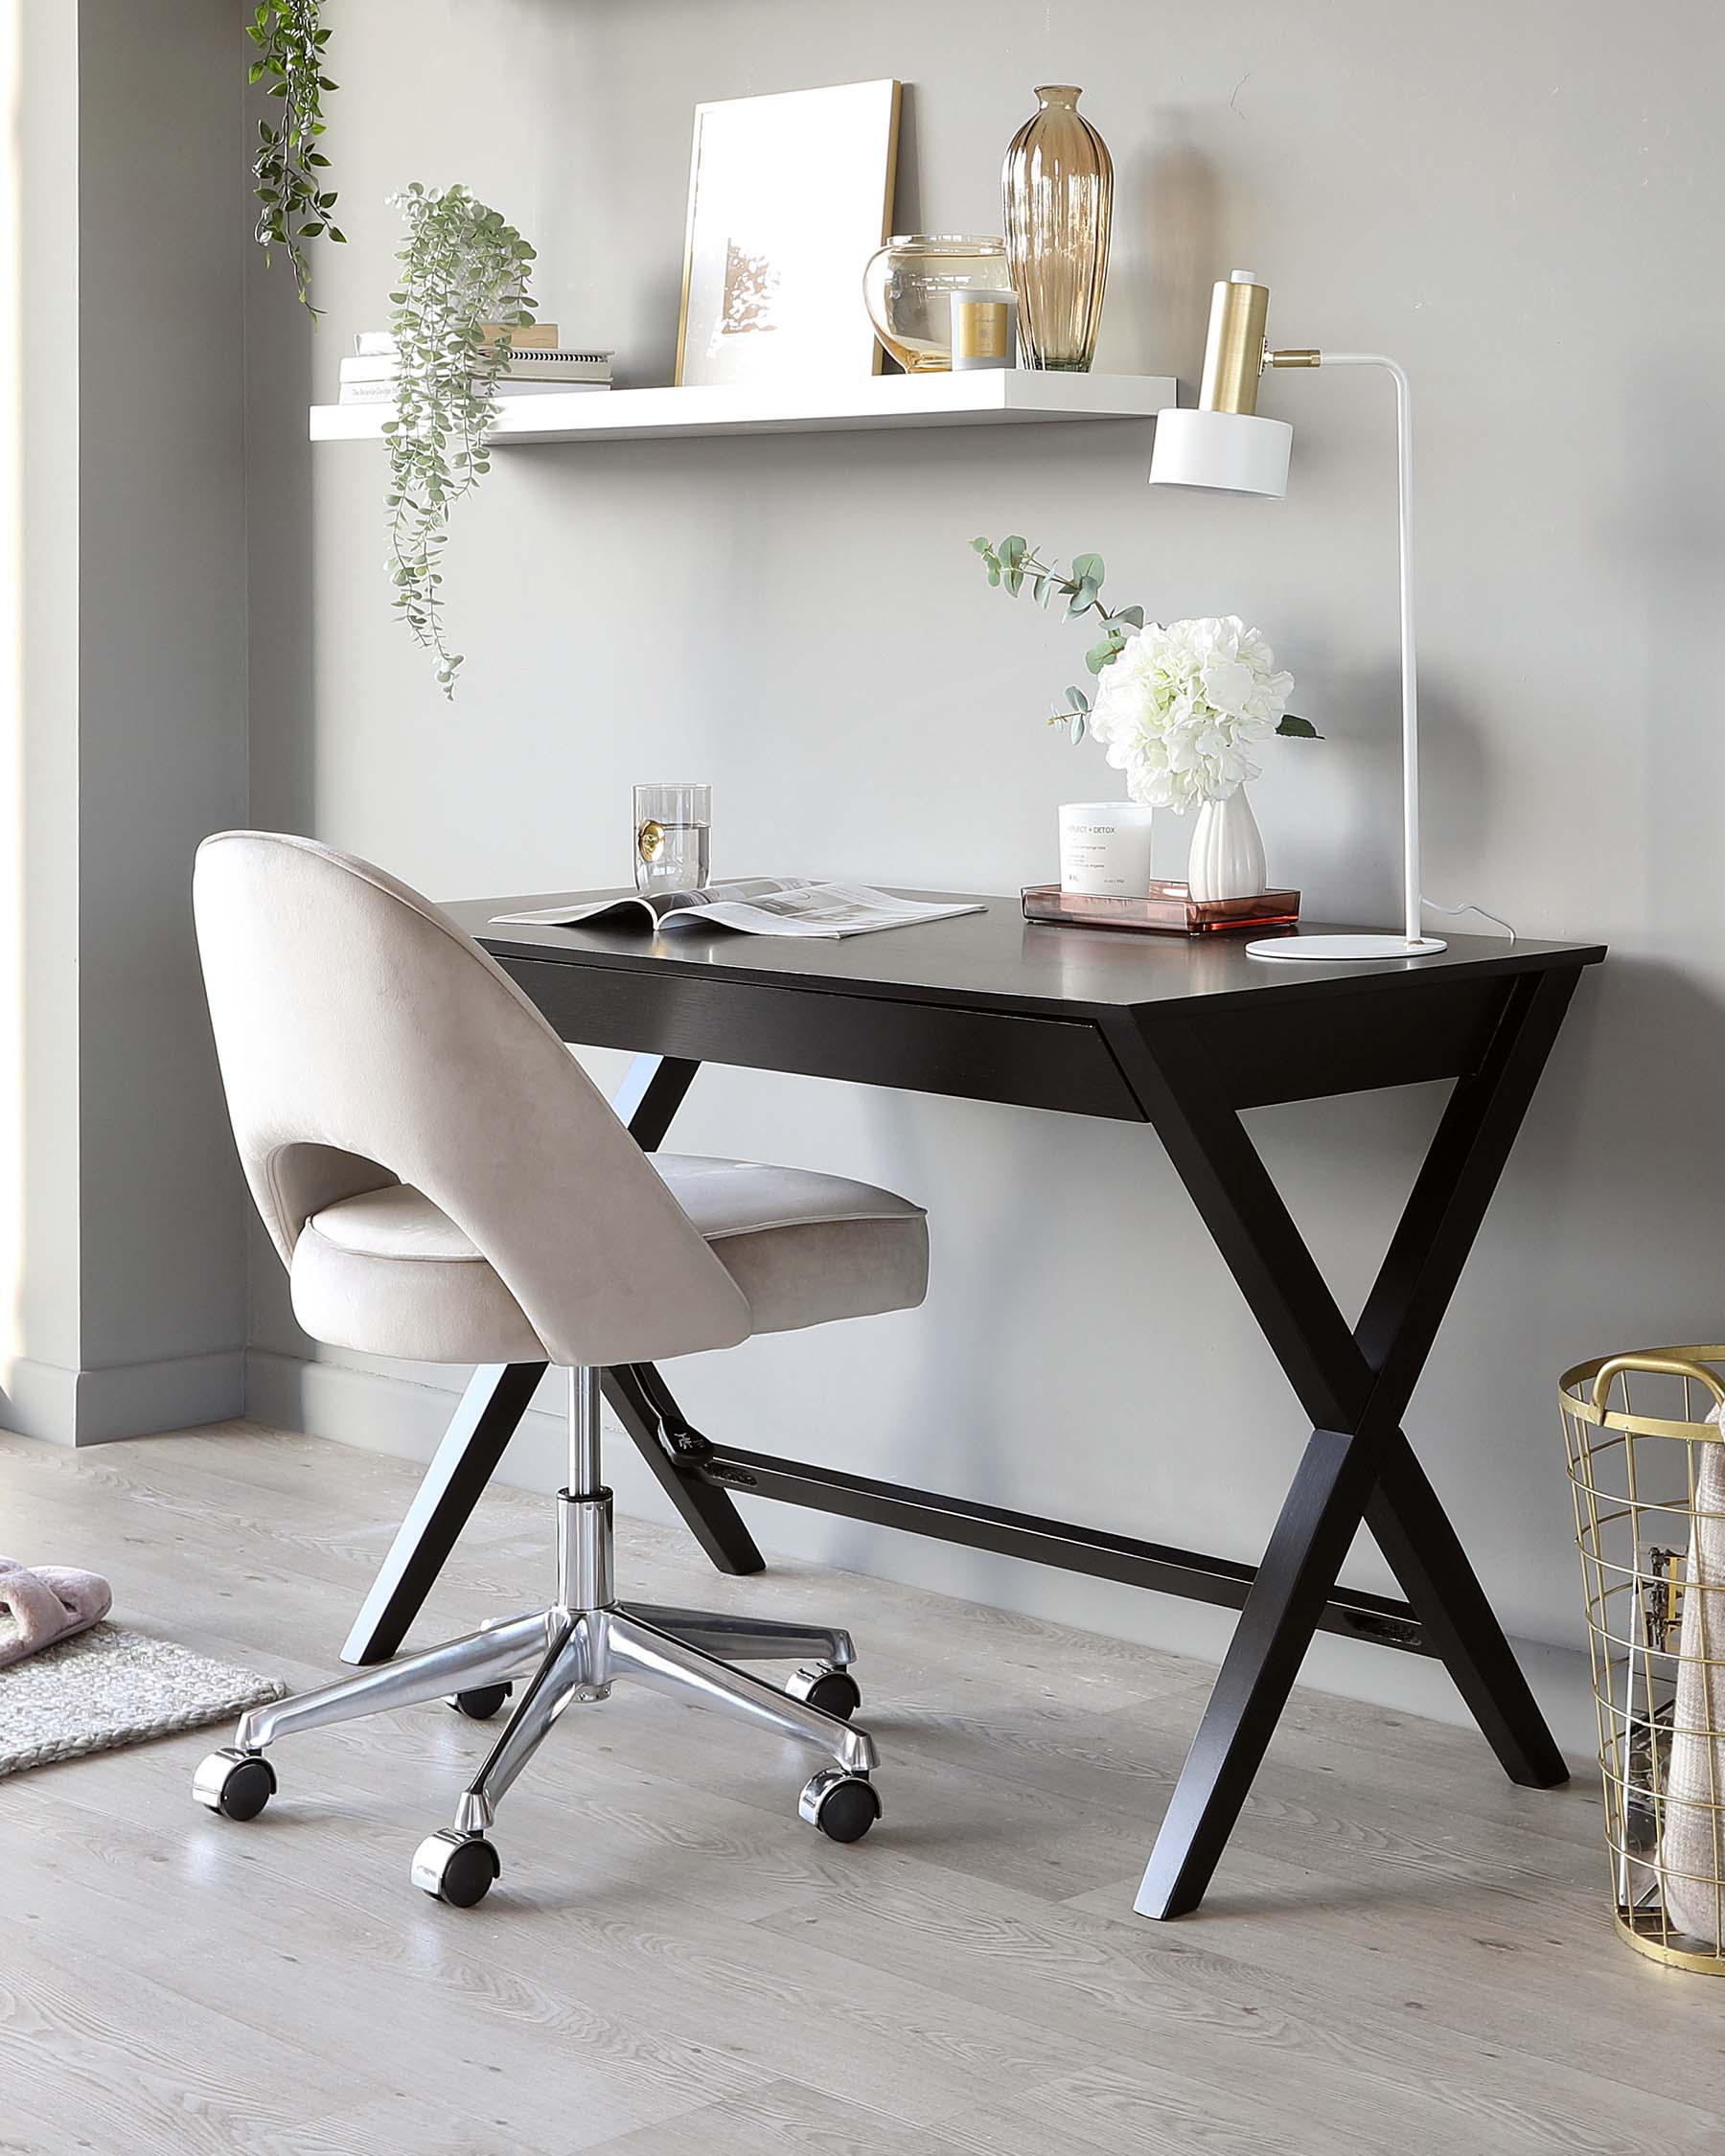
x,y
1648,1471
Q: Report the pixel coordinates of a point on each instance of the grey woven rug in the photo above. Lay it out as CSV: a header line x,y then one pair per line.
x,y
110,1686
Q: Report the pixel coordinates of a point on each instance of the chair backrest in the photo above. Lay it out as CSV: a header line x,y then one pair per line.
x,y
364,1041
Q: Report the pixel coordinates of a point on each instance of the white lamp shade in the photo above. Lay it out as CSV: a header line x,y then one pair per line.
x,y
1224,453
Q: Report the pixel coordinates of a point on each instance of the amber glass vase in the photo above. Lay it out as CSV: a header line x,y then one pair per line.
x,y
1057,188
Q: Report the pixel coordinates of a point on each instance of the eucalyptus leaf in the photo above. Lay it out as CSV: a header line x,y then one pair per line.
x,y
1298,729
1088,569
1076,728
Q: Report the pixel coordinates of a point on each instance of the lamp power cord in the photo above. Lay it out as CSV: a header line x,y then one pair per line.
x,y
1452,911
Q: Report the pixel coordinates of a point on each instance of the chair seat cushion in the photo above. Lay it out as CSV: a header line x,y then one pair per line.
x,y
389,1273
805,1248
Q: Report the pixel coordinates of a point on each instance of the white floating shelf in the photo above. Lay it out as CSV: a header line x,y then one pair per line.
x,y
992,396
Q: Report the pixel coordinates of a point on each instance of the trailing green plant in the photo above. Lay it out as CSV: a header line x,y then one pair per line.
x,y
293,203
1012,563
463,270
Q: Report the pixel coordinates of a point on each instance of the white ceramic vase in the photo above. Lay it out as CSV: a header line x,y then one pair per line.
x,y
1228,850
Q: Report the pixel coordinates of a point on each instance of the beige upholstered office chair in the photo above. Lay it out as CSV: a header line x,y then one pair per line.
x,y
444,1184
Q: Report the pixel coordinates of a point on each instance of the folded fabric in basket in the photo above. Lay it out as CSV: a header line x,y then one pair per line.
x,y
46,1603
1692,1848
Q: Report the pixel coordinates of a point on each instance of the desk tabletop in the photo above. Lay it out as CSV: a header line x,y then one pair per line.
x,y
995,959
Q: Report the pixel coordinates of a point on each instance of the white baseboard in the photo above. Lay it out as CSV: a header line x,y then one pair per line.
x,y
381,1412
127,1400
137,1399
41,1401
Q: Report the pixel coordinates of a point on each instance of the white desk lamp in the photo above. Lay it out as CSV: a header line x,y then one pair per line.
x,y
1225,448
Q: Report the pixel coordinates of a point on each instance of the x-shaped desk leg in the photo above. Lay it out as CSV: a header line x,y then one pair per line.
x,y
1356,1385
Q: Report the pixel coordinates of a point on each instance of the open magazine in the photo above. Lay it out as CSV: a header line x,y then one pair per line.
x,y
760,906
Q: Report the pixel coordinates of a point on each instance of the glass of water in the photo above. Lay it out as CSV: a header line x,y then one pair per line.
x,y
673,837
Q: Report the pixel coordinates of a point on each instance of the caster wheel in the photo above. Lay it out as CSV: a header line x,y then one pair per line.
x,y
458,1869
844,1807
238,1784
827,1686
481,1703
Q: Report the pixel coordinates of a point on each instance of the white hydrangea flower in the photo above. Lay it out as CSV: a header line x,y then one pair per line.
x,y
1179,708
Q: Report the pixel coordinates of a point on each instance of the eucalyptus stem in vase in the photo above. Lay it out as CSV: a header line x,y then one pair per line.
x,y
1013,562
1178,708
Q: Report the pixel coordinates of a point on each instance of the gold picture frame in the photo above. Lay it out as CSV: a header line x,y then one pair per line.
x,y
788,196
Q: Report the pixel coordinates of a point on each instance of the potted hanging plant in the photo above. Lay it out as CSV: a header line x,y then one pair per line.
x,y
294,201
462,285
1179,709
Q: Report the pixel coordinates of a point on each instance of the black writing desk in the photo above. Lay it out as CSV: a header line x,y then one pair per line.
x,y
1175,1034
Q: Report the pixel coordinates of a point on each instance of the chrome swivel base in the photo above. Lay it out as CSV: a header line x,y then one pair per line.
x,y
573,1653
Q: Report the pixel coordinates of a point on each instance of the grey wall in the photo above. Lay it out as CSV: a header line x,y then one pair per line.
x,y
127,1253
161,754
1520,203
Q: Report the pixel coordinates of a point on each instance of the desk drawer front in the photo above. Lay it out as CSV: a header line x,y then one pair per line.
x,y
914,1047
1323,1047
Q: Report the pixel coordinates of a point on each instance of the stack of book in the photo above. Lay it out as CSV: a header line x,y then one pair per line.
x,y
538,365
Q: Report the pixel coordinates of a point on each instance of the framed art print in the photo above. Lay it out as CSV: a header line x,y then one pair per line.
x,y
788,196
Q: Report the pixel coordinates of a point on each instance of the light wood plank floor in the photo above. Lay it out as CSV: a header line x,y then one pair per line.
x,y
1401,1951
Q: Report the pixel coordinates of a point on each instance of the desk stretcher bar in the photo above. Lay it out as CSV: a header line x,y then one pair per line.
x,y
1356,1615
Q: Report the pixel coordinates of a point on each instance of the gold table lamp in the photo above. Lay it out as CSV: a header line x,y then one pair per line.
x,y
1228,447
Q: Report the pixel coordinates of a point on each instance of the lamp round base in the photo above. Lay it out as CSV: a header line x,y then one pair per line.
x,y
1337,950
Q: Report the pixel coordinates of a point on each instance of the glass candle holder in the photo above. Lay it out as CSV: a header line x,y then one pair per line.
x,y
906,287
673,837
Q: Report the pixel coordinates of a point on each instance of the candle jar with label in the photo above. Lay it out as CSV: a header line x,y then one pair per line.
x,y
985,329
1105,849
